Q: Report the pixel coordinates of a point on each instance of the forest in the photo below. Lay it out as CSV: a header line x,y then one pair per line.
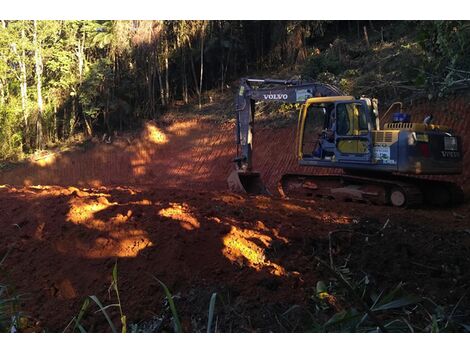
x,y
63,78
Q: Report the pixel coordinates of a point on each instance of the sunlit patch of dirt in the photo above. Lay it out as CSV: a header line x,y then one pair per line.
x,y
45,161
182,213
121,240
260,226
154,134
333,218
82,212
182,128
246,247
121,243
141,202
230,198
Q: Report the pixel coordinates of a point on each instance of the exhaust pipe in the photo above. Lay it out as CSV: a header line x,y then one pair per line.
x,y
246,182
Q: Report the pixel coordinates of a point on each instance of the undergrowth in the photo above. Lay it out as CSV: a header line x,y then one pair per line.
x,y
76,323
12,319
344,301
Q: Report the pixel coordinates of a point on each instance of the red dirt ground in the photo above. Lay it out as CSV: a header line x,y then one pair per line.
x,y
256,252
197,154
178,223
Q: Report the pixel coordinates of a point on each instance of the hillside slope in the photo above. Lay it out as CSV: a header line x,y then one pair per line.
x,y
195,153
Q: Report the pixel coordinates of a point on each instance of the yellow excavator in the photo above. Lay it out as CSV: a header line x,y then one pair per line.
x,y
379,165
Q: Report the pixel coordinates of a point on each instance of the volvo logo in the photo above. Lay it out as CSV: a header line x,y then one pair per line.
x,y
447,154
275,96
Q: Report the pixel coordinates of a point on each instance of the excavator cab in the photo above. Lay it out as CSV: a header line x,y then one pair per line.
x,y
335,129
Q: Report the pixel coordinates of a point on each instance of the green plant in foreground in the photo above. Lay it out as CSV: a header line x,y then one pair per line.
x,y
176,320
368,320
11,317
369,311
76,320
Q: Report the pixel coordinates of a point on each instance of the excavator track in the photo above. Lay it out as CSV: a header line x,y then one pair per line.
x,y
396,190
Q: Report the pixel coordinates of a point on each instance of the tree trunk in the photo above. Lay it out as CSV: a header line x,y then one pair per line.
x,y
2,85
160,83
159,75
2,93
39,68
24,89
80,57
21,59
366,37
183,76
202,64
184,82
167,73
56,124
65,121
150,79
73,118
193,68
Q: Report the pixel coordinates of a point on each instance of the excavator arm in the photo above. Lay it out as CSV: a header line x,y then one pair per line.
x,y
251,90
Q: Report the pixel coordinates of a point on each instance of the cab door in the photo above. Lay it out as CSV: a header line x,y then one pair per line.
x,y
353,137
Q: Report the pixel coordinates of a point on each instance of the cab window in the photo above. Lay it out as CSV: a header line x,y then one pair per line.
x,y
351,118
314,124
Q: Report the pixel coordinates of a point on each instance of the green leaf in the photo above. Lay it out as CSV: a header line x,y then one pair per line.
x,y
434,325
124,324
82,312
398,303
115,273
97,301
321,287
169,297
211,311
343,317
80,327
466,327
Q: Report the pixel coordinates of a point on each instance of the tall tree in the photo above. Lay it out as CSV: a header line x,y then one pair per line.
x,y
20,55
203,35
39,70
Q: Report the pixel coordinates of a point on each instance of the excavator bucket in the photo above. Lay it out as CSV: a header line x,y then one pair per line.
x,y
246,182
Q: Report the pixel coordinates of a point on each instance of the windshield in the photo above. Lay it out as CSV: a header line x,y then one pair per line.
x,y
351,118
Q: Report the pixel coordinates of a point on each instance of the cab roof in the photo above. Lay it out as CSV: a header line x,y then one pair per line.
x,y
329,99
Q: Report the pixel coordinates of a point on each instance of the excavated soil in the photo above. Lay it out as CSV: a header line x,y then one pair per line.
x,y
197,154
257,253
157,204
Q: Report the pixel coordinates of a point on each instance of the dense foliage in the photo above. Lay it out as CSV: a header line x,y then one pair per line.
x,y
60,78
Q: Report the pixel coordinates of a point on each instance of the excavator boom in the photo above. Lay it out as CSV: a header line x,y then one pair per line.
x,y
244,178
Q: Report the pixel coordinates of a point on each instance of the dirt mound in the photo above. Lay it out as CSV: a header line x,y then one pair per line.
x,y
190,154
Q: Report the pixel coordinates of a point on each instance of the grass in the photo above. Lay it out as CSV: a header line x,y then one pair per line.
x,y
353,305
176,320
342,302
12,318
76,321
